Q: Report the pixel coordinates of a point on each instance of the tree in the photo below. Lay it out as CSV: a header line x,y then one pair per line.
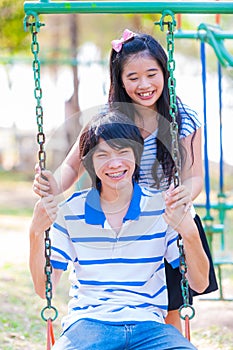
x,y
13,38
72,105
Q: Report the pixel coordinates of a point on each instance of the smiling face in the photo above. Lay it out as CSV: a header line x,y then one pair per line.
x,y
143,80
114,167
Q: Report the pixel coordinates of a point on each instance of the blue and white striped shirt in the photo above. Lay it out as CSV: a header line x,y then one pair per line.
x,y
189,123
119,278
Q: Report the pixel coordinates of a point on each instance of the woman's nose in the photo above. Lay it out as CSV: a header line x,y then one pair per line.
x,y
144,83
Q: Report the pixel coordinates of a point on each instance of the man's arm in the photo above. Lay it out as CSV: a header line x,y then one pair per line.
x,y
45,212
196,258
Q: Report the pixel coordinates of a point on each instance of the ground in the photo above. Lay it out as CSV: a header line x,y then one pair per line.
x,y
211,328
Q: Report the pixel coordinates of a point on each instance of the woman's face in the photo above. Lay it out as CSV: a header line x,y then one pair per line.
x,y
143,80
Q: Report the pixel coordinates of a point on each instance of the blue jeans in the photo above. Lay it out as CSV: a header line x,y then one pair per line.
x,y
92,335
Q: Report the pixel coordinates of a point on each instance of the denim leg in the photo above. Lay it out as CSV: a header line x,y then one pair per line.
x,y
91,335
157,336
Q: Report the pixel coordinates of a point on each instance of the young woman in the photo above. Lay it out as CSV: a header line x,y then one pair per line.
x,y
139,88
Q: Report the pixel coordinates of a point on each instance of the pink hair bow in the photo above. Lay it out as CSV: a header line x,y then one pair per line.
x,y
117,44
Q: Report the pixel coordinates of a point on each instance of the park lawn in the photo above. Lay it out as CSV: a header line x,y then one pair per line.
x,y
21,327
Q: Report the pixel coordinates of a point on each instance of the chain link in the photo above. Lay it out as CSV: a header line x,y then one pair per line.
x,y
35,48
171,25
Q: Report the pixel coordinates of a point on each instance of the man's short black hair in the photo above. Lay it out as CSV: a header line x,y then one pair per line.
x,y
118,131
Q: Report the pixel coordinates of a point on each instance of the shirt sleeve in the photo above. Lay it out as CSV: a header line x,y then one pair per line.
x,y
62,250
189,120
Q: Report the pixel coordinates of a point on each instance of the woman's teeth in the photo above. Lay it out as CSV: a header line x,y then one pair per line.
x,y
146,94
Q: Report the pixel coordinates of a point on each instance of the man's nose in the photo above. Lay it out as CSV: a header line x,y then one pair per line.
x,y
114,161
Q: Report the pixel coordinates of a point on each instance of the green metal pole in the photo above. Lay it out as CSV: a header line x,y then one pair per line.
x,y
182,34
118,7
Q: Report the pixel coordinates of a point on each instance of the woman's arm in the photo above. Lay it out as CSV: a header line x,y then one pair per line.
x,y
64,177
192,167
71,169
45,212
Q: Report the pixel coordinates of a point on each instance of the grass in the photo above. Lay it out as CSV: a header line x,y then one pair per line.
x,y
213,338
18,319
16,197
15,211
20,324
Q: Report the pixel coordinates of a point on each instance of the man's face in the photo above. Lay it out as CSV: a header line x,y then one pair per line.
x,y
114,167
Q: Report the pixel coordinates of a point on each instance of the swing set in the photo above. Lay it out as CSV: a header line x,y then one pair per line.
x,y
214,36
168,11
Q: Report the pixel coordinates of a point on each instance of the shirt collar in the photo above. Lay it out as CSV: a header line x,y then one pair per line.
x,y
93,211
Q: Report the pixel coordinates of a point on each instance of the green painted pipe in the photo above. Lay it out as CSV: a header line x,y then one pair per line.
x,y
192,34
117,7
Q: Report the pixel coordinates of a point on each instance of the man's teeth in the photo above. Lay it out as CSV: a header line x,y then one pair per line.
x,y
116,174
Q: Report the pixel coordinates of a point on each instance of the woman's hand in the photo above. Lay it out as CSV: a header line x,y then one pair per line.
x,y
44,183
179,219
179,196
45,213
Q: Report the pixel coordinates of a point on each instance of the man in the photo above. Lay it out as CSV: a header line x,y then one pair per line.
x,y
116,236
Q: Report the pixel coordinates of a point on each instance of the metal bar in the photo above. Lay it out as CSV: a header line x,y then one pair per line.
x,y
180,34
224,206
118,7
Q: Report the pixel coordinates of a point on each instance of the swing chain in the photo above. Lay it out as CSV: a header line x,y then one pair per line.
x,y
35,48
171,25
172,90
186,310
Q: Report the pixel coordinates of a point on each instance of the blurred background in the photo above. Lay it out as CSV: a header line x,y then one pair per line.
x,y
74,50
73,54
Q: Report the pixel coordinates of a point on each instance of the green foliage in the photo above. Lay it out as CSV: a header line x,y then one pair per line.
x,y
14,176
13,38
18,182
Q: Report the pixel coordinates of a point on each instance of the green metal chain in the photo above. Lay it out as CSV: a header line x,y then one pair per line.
x,y
186,308
172,91
34,24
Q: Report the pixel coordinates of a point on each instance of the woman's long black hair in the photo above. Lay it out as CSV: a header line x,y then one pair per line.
x,y
146,45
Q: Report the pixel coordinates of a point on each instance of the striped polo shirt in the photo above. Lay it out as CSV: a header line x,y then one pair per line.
x,y
119,278
189,123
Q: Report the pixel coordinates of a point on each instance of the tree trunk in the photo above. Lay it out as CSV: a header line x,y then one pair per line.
x,y
72,108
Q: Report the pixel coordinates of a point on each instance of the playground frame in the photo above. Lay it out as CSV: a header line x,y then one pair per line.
x,y
127,7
